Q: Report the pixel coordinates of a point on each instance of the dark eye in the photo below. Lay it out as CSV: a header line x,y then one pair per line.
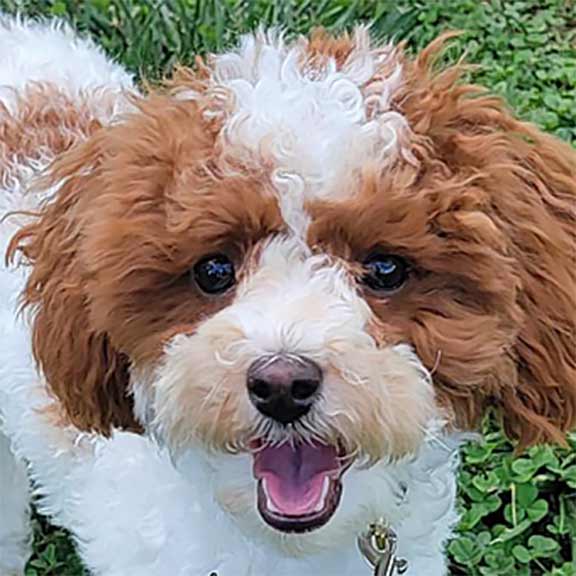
x,y
385,272
214,274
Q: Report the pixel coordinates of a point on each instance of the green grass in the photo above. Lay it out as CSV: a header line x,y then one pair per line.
x,y
519,514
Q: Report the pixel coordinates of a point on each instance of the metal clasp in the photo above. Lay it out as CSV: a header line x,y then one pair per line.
x,y
378,545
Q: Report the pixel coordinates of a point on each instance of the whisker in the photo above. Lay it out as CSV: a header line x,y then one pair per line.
x,y
436,363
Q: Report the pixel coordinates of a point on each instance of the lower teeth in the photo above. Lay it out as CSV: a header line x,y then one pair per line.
x,y
322,502
318,508
269,503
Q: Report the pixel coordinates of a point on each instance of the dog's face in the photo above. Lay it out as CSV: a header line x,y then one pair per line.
x,y
307,259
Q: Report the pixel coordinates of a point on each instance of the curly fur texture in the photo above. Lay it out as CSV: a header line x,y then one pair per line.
x,y
297,160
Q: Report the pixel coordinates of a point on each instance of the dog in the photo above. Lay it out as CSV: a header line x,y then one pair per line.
x,y
250,316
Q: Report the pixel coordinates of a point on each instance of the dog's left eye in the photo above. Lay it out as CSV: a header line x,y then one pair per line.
x,y
214,274
385,272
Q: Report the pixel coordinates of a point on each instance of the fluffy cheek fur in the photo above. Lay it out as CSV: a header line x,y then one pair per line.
x,y
376,401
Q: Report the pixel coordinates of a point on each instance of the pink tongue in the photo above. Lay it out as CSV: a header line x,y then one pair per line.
x,y
294,477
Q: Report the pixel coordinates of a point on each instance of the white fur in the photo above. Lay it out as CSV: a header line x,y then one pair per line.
x,y
134,508
317,127
14,524
32,52
135,514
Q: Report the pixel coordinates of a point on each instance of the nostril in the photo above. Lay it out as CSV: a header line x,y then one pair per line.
x,y
304,389
260,389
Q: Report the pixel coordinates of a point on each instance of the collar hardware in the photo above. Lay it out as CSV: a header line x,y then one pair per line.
x,y
378,545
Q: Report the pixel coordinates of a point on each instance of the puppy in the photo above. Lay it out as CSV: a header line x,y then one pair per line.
x,y
263,303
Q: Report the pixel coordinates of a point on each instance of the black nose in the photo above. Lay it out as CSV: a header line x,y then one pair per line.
x,y
284,387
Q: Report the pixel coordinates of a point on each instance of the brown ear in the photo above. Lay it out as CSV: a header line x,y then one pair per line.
x,y
528,184
80,365
541,218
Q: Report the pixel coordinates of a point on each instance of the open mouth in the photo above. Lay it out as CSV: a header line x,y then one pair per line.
x,y
299,484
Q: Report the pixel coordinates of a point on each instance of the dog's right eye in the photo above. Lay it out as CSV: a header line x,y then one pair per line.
x,y
214,274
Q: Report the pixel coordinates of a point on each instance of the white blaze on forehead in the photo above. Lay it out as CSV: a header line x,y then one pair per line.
x,y
314,125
